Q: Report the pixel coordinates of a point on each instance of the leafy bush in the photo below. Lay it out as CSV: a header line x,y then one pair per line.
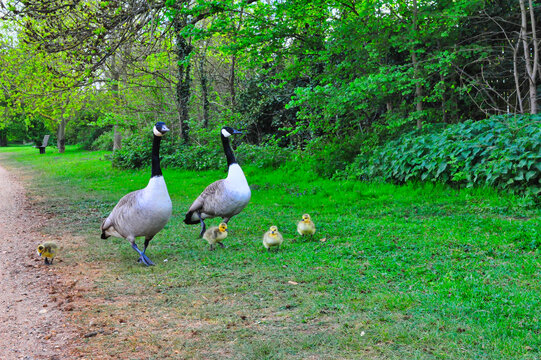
x,y
80,132
330,157
135,152
104,142
502,151
267,156
137,149
192,157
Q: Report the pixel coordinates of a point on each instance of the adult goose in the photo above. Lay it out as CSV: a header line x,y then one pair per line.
x,y
224,198
142,212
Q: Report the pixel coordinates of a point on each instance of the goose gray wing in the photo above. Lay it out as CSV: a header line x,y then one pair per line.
x,y
204,201
121,210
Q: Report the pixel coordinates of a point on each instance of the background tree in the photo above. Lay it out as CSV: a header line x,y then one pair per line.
x,y
326,74
495,50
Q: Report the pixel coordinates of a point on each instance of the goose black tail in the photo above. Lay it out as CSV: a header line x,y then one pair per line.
x,y
188,219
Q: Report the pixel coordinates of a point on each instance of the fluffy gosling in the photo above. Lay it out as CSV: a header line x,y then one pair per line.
x,y
215,235
306,226
47,250
272,238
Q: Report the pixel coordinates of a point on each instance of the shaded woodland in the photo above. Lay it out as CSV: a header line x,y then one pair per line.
x,y
336,76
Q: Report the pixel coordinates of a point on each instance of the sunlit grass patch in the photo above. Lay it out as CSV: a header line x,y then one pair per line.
x,y
415,271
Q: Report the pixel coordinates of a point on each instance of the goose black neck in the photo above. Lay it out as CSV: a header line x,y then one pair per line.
x,y
156,169
228,151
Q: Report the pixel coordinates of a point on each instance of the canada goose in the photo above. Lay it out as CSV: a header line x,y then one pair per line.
x,y
224,198
215,235
142,212
272,238
47,250
306,226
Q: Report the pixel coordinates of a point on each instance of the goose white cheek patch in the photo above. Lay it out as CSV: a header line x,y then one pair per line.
x,y
225,133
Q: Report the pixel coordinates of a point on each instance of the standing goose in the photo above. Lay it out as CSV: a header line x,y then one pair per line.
x,y
224,198
142,212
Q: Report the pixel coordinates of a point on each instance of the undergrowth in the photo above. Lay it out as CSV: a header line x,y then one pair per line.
x,y
503,152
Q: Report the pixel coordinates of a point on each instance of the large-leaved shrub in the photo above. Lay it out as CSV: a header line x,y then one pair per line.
x,y
503,152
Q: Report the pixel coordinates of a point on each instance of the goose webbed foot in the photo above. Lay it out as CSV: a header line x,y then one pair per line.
x,y
47,262
143,258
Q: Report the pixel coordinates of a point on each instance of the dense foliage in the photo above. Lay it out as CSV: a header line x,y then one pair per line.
x,y
323,81
136,153
503,152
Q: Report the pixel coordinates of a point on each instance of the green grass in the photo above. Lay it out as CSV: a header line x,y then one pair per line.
x,y
415,271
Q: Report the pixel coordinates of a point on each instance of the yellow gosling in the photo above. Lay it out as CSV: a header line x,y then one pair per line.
x,y
47,250
306,226
215,235
272,238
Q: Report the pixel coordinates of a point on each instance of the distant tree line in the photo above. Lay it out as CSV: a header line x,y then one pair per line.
x,y
287,72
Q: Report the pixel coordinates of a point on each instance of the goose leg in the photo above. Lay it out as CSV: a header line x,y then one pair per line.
x,y
221,245
148,261
203,226
143,258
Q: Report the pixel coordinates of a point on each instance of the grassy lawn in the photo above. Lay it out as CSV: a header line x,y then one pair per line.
x,y
394,272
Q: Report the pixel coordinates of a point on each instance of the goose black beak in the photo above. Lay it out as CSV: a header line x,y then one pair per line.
x,y
235,131
164,129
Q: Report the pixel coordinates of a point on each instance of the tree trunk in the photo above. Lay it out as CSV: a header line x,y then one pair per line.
x,y
415,63
115,76
232,75
61,135
61,131
204,88
443,102
117,138
232,70
517,77
3,138
529,50
183,50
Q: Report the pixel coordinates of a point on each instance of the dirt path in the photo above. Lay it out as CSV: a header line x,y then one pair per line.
x,y
32,324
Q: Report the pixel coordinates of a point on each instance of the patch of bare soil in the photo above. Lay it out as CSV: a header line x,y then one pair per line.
x,y
57,312
34,297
